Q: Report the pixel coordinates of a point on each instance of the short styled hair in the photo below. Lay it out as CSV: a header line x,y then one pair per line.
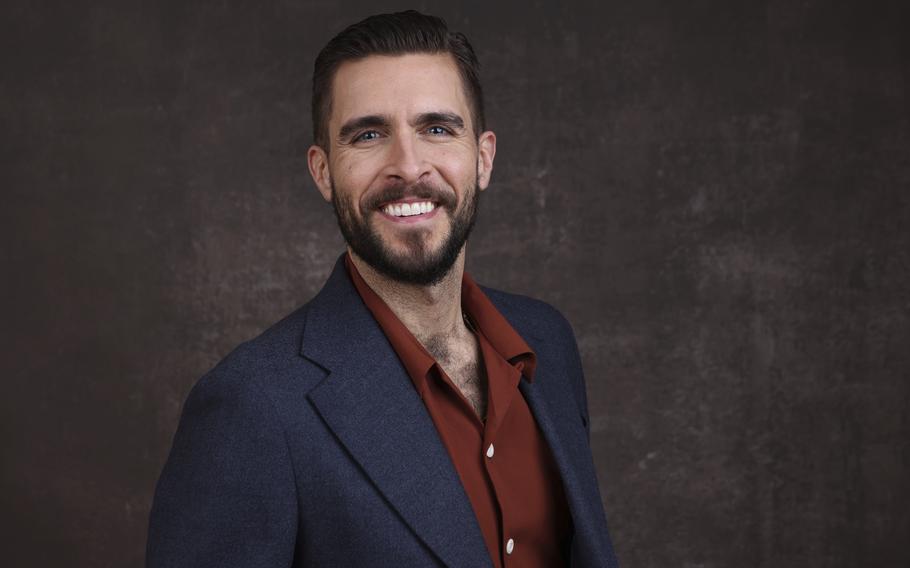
x,y
393,34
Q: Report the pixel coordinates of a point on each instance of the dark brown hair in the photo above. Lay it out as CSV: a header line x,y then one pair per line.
x,y
393,34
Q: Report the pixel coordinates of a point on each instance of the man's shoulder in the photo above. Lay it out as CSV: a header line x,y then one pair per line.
x,y
529,316
266,360
551,336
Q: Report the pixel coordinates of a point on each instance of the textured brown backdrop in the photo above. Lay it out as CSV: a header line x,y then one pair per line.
x,y
716,194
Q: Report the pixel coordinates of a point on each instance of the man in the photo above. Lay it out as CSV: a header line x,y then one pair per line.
x,y
405,416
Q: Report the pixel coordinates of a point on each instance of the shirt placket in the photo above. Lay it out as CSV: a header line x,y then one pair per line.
x,y
502,385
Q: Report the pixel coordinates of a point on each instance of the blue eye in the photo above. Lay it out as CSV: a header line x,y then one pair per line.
x,y
437,130
368,135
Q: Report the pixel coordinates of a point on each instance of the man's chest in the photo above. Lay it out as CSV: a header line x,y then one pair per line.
x,y
462,362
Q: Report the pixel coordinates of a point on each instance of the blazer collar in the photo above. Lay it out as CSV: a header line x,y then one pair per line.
x,y
560,422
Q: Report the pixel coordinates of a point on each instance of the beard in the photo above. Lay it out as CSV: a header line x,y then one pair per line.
x,y
418,264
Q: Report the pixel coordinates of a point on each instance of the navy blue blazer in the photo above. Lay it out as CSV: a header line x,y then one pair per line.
x,y
309,446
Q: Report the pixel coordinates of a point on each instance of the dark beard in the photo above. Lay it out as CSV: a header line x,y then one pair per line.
x,y
421,268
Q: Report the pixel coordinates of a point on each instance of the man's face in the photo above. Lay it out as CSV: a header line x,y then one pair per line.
x,y
404,166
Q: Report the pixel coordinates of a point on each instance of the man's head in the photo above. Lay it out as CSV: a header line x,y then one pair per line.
x,y
393,34
401,150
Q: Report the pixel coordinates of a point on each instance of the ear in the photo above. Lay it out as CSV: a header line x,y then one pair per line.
x,y
318,162
486,151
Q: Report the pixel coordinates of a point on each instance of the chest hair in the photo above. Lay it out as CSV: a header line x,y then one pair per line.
x,y
462,362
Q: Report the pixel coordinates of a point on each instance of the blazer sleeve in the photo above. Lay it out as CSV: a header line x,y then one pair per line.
x,y
226,496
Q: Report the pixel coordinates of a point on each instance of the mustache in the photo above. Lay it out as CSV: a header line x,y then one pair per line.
x,y
399,191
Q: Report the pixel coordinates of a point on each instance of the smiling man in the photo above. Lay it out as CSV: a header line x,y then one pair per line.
x,y
405,416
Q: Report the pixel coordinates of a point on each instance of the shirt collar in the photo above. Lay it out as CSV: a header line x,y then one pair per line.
x,y
480,312
494,326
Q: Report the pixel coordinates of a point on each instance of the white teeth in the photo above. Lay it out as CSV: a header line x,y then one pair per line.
x,y
408,209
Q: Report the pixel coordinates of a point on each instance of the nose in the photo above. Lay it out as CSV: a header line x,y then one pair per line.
x,y
406,161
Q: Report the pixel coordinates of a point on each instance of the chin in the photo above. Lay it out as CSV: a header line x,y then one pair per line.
x,y
422,269
410,262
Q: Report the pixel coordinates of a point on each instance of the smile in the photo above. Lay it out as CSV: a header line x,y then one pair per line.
x,y
408,209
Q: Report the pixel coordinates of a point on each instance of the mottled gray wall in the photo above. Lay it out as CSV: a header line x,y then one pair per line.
x,y
716,194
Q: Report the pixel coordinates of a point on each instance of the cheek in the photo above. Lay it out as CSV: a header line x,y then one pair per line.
x,y
353,177
457,168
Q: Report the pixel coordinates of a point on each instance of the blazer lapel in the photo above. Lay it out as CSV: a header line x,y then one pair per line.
x,y
559,420
371,405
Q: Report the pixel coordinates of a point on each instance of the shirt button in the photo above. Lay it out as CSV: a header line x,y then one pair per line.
x,y
490,451
510,546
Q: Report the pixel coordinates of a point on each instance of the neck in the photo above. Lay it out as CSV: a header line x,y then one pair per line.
x,y
427,311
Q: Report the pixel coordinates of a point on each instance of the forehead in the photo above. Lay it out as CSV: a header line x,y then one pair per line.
x,y
397,86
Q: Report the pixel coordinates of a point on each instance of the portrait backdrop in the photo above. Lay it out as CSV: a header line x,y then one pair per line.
x,y
716,194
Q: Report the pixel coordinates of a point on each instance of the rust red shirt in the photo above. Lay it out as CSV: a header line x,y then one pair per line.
x,y
504,462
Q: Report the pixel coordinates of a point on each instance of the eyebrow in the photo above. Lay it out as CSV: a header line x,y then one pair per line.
x,y
449,119
361,122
